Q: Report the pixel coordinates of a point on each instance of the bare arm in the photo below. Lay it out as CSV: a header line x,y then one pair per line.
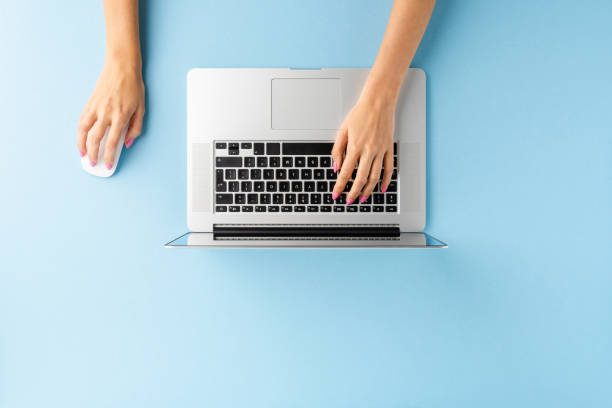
x,y
118,98
366,136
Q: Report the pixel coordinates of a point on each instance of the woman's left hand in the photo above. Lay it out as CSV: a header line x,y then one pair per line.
x,y
365,139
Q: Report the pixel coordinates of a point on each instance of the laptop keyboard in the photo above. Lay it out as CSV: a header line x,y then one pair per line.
x,y
288,177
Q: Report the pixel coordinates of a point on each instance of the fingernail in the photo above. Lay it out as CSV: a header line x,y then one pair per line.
x,y
92,163
384,189
81,153
363,199
350,201
335,167
109,166
335,195
129,143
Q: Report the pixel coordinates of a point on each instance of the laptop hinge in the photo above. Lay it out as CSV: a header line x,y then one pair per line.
x,y
305,231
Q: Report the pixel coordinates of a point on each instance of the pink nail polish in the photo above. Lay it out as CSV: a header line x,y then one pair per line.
x,y
384,189
81,153
350,201
335,167
335,195
363,199
92,163
109,166
129,143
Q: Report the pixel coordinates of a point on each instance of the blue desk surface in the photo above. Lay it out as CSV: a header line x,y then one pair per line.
x,y
95,312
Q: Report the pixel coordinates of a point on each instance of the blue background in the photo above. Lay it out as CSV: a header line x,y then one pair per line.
x,y
95,312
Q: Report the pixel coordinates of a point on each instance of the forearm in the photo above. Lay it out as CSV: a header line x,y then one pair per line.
x,y
405,29
122,32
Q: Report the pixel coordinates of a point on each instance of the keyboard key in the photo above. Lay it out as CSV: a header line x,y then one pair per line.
x,y
246,145
239,198
259,186
228,161
249,162
302,199
234,186
296,186
221,145
322,186
222,187
319,174
258,149
243,174
219,175
312,208
341,199
273,208
326,208
247,208
286,208
230,174
290,198
315,198
326,162
265,198
299,208
281,174
308,148
338,208
391,208
394,175
233,149
221,208
313,162
246,186
392,187
294,174
309,186
306,174
271,186
224,199
272,149
331,175
378,208
255,174
234,208
327,199
287,161
268,174
351,208
252,198
391,198
394,148
277,198
379,198
300,162
260,208
275,161
368,201
262,162
284,186
364,208
233,145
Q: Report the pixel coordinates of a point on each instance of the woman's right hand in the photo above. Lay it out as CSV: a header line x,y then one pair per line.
x,y
117,101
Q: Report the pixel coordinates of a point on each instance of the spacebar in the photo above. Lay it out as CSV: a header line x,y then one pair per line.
x,y
307,148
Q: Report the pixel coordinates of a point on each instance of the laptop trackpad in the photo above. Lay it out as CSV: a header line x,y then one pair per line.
x,y
306,103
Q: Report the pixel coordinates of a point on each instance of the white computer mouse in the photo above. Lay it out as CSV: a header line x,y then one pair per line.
x,y
100,169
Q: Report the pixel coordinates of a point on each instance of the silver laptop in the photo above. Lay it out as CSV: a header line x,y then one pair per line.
x,y
259,169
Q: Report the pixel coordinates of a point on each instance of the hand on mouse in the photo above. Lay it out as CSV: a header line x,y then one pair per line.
x,y
117,101
365,139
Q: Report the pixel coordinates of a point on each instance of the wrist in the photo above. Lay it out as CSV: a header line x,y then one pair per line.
x,y
124,60
380,89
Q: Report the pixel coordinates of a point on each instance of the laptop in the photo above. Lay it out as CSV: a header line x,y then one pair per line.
x,y
259,168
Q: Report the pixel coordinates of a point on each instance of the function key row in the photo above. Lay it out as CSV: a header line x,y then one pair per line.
x,y
274,148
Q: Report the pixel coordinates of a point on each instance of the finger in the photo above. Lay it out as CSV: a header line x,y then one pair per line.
x,y
372,179
85,123
345,174
93,140
135,127
361,178
339,148
112,140
388,170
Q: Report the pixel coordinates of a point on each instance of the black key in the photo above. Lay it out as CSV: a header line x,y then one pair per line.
x,y
331,175
234,186
221,145
315,198
262,162
300,162
296,186
319,174
272,148
287,161
327,199
368,201
354,175
239,198
228,161
268,174
394,174
313,208
281,174
351,209
307,148
246,186
258,149
221,187
376,187
391,208
221,208
341,199
313,162
271,186
260,208
220,175
378,208
392,187
322,186
394,148
277,198
286,208
364,208
306,174
224,198
252,198
265,198
391,198
379,198
289,198
234,208
302,198
230,174
246,145
243,174
273,208
395,161
294,174
249,162
309,186
326,162
259,186
348,187
326,208
233,145
233,149
275,161
284,186
338,208
299,208
247,208
255,174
